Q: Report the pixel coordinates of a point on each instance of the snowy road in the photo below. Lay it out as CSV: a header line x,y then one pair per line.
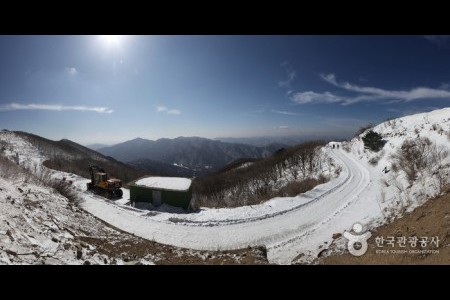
x,y
299,229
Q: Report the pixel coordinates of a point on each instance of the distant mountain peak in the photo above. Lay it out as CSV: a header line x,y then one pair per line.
x,y
193,152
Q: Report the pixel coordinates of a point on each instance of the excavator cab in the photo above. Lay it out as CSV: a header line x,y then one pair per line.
x,y
100,178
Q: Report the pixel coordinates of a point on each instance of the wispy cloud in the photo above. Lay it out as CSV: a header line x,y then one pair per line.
x,y
173,112
366,94
283,127
164,109
439,40
283,112
444,86
413,94
51,107
71,71
290,76
313,97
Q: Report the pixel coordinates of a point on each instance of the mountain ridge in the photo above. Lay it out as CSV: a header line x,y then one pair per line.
x,y
192,152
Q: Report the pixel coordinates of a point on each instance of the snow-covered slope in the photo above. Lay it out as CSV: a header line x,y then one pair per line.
x,y
396,193
297,225
38,226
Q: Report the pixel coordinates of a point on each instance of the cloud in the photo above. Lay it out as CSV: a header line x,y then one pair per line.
x,y
283,112
439,40
367,94
444,86
394,110
290,77
173,112
71,71
51,107
413,94
290,74
168,111
313,97
283,127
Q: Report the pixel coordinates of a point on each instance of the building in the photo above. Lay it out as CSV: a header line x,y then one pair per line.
x,y
174,191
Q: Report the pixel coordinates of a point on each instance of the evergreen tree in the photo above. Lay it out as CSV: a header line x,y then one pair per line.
x,y
373,141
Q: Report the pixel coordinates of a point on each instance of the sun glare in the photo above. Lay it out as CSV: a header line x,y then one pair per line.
x,y
112,40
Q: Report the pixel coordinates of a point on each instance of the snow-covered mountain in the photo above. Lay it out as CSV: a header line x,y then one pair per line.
x,y
424,137
63,155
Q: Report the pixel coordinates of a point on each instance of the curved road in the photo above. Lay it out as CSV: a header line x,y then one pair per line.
x,y
282,232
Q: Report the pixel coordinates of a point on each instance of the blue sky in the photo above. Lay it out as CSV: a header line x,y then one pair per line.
x,y
97,89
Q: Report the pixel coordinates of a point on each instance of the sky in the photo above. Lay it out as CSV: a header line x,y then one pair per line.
x,y
109,89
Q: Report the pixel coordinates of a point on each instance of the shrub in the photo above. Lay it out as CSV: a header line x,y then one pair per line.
x,y
374,161
346,147
412,156
373,141
8,169
394,167
66,190
363,129
338,171
298,187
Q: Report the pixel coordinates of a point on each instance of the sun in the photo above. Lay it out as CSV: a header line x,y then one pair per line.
x,y
112,40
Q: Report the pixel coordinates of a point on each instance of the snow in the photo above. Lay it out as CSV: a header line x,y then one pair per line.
x,y
167,183
181,166
287,226
34,226
245,165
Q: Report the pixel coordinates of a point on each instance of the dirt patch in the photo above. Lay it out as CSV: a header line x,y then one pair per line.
x,y
430,220
132,249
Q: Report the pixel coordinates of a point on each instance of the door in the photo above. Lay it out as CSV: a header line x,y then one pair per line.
x,y
156,195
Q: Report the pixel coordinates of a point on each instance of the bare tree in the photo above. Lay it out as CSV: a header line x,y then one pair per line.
x,y
412,156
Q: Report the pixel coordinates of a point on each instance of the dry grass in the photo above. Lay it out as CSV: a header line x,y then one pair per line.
x,y
374,160
11,170
298,187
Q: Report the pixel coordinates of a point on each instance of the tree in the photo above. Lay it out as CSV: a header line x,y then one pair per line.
x,y
414,156
373,141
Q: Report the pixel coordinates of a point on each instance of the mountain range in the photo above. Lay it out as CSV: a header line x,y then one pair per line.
x,y
66,155
262,141
194,153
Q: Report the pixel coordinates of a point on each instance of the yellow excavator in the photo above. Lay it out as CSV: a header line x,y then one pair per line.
x,y
102,184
